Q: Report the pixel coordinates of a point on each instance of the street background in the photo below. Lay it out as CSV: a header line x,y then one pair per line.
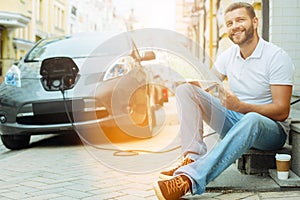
x,y
61,167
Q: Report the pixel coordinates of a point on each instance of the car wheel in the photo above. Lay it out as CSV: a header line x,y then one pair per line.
x,y
161,102
158,101
150,119
15,142
142,111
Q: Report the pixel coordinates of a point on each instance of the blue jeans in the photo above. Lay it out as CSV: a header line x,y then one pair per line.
x,y
238,133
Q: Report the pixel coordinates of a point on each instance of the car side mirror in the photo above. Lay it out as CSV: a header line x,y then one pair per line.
x,y
58,73
148,55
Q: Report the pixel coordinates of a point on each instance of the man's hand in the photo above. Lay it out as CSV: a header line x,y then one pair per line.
x,y
228,99
277,110
206,88
196,83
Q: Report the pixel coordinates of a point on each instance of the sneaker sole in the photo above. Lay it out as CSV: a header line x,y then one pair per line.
x,y
158,191
165,177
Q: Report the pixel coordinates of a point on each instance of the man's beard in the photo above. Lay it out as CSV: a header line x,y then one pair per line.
x,y
247,36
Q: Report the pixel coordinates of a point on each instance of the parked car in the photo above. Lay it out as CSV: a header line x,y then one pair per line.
x,y
159,88
110,89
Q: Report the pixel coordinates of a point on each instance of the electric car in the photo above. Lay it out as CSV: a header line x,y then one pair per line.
x,y
110,88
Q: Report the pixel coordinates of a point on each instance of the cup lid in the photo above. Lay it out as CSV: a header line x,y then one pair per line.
x,y
282,156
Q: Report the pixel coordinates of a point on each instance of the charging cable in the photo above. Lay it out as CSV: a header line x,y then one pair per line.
x,y
117,152
296,101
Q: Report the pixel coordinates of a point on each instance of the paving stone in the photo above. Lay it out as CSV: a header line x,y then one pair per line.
x,y
281,194
24,189
75,194
14,195
105,196
63,173
132,197
244,196
232,179
44,197
48,191
137,192
292,181
212,195
62,198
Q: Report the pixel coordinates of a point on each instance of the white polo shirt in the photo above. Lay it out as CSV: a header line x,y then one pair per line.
x,y
250,78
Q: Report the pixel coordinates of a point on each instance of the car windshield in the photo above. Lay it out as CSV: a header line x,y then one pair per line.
x,y
74,47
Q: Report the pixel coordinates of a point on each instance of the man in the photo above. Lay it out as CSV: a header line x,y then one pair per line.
x,y
252,114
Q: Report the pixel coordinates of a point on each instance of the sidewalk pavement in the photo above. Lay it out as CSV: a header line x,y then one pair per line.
x,y
70,172
53,169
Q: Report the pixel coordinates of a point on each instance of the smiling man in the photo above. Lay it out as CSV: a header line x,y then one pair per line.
x,y
253,113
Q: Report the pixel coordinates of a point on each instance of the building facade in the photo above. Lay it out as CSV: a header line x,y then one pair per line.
x,y
284,30
91,16
202,21
24,22
12,17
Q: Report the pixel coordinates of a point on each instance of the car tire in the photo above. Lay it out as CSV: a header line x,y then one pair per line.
x,y
150,119
15,142
161,102
158,101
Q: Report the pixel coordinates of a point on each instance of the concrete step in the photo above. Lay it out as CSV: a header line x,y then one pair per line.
x,y
259,162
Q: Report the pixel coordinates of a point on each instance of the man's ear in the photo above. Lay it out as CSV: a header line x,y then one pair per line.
x,y
255,22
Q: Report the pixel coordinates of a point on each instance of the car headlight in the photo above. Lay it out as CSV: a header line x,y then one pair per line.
x,y
13,76
119,67
116,70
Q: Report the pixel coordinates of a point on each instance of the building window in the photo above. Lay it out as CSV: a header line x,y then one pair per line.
x,y
39,10
1,29
58,17
74,11
187,7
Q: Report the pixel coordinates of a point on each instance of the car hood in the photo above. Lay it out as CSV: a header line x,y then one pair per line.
x,y
99,52
31,70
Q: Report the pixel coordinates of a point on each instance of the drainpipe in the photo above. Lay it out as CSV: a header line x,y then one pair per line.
x,y
265,19
210,31
8,54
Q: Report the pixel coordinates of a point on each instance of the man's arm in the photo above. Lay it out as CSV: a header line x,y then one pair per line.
x,y
218,74
210,85
277,110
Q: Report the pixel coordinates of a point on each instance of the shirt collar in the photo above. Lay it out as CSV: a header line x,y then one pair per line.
x,y
257,51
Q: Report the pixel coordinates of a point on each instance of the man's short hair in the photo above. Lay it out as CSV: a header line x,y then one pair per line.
x,y
237,5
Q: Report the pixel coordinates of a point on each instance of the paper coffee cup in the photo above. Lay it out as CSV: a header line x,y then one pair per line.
x,y
283,165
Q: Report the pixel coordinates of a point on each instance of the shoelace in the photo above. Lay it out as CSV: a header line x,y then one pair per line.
x,y
177,184
185,162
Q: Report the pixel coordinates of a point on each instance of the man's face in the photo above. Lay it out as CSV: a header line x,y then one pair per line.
x,y
240,26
